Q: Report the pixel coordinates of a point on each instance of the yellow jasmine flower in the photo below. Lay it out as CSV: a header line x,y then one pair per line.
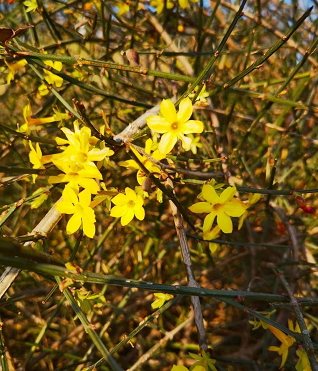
x,y
252,199
204,362
51,78
223,207
185,3
159,4
127,206
31,5
37,202
195,143
84,177
201,98
286,340
104,195
303,361
174,125
30,122
257,324
179,368
13,68
78,205
36,158
123,7
131,164
79,150
161,298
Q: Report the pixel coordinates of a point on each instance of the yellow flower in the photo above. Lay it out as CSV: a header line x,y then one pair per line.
x,y
131,164
37,202
286,340
31,5
123,7
204,362
223,207
257,324
161,298
84,177
79,150
78,205
51,78
184,3
30,122
303,361
128,206
36,158
201,98
159,4
104,195
13,68
174,125
195,143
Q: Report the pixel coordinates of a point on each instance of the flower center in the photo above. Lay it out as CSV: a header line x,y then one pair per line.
x,y
217,207
131,204
174,125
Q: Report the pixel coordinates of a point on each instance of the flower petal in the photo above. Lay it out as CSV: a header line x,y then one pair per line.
x,y
193,126
131,195
74,223
208,221
139,213
118,211
128,217
158,124
224,222
88,218
65,207
89,184
186,141
85,197
185,110
69,195
209,194
227,194
167,143
168,111
120,200
234,208
201,207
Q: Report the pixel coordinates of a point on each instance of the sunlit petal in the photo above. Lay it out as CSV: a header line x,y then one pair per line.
x,y
158,124
74,223
201,207
130,194
167,143
85,197
140,213
209,194
128,217
120,199
118,211
193,126
185,110
168,111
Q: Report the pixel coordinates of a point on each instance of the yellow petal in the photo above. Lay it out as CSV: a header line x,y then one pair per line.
x,y
201,207
208,221
234,208
140,213
118,211
168,111
127,218
130,194
227,194
167,143
183,3
85,197
74,223
89,184
209,194
88,223
120,199
185,110
224,222
158,124
193,126
65,207
69,195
